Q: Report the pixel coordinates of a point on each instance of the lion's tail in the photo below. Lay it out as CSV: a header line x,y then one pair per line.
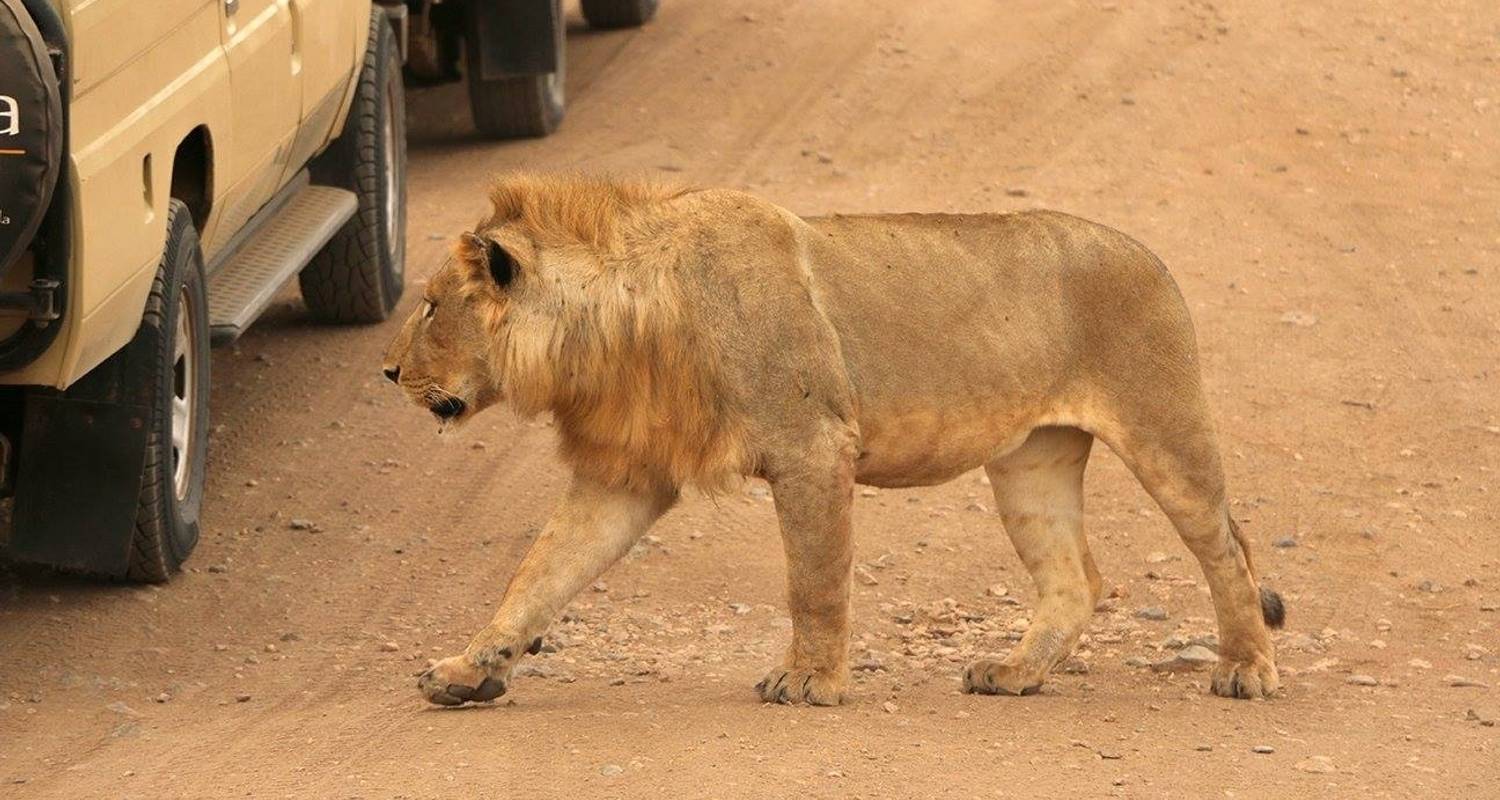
x,y
1271,607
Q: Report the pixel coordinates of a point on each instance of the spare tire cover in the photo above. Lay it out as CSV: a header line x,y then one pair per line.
x,y
30,130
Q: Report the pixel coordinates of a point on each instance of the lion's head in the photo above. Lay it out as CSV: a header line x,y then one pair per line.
x,y
565,300
444,357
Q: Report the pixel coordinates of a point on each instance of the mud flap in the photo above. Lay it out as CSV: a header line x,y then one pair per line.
x,y
515,38
79,469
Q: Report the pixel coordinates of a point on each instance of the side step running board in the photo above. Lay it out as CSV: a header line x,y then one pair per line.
x,y
241,288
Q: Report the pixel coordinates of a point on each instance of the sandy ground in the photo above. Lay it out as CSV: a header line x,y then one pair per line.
x,y
1325,185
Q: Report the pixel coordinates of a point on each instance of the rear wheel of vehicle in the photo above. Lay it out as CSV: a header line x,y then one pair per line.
x,y
360,274
618,13
515,106
176,376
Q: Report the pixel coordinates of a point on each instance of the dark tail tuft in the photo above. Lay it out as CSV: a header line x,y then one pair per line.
x,y
1272,608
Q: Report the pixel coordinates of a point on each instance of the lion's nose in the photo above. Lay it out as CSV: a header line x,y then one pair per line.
x,y
392,374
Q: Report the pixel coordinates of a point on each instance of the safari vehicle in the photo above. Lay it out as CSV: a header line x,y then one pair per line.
x,y
164,168
512,53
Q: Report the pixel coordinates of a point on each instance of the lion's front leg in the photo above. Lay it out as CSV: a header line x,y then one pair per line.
x,y
813,498
592,528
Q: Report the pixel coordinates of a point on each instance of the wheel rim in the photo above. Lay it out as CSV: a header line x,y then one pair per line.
x,y
392,184
184,394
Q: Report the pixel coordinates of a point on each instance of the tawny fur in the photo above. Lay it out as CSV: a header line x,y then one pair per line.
x,y
690,337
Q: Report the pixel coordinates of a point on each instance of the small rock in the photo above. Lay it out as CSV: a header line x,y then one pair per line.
x,y
740,609
1284,542
1017,191
1189,659
890,708
1158,557
1361,680
1420,663
163,697
299,524
242,698
1263,749
270,648
997,590
1301,319
1315,764
217,568
864,576
1462,682
611,770
1155,613
389,647
122,709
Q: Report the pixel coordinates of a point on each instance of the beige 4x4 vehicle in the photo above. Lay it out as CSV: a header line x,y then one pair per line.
x,y
164,168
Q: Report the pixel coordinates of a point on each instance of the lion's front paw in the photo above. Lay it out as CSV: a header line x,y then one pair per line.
x,y
796,685
457,680
1246,680
988,676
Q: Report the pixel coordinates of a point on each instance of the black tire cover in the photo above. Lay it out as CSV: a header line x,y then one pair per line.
x,y
30,130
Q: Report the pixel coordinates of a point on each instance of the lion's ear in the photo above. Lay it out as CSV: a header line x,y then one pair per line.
x,y
501,264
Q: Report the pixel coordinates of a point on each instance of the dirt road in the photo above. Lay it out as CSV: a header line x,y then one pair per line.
x,y
1324,184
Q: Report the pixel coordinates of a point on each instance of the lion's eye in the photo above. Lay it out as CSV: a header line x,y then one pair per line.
x,y
428,309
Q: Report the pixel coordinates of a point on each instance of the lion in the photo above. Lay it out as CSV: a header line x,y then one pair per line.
x,y
694,337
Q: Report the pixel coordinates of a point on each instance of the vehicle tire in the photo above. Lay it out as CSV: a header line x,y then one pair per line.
x,y
176,378
521,106
360,274
618,13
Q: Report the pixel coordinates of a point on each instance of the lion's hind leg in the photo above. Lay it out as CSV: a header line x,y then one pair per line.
x,y
1177,461
1039,494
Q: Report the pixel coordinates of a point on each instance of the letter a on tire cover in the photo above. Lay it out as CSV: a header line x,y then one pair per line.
x,y
30,130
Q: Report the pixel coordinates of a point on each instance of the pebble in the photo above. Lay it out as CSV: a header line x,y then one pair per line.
x,y
299,524
1462,682
242,698
1156,613
611,770
1315,764
389,647
1361,680
1263,749
1188,659
122,709
864,576
163,697
997,590
890,708
1284,542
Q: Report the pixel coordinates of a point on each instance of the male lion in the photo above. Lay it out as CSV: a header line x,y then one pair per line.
x,y
691,337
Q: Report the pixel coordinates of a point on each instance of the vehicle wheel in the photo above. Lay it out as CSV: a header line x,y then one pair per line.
x,y
359,275
618,13
176,375
511,107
